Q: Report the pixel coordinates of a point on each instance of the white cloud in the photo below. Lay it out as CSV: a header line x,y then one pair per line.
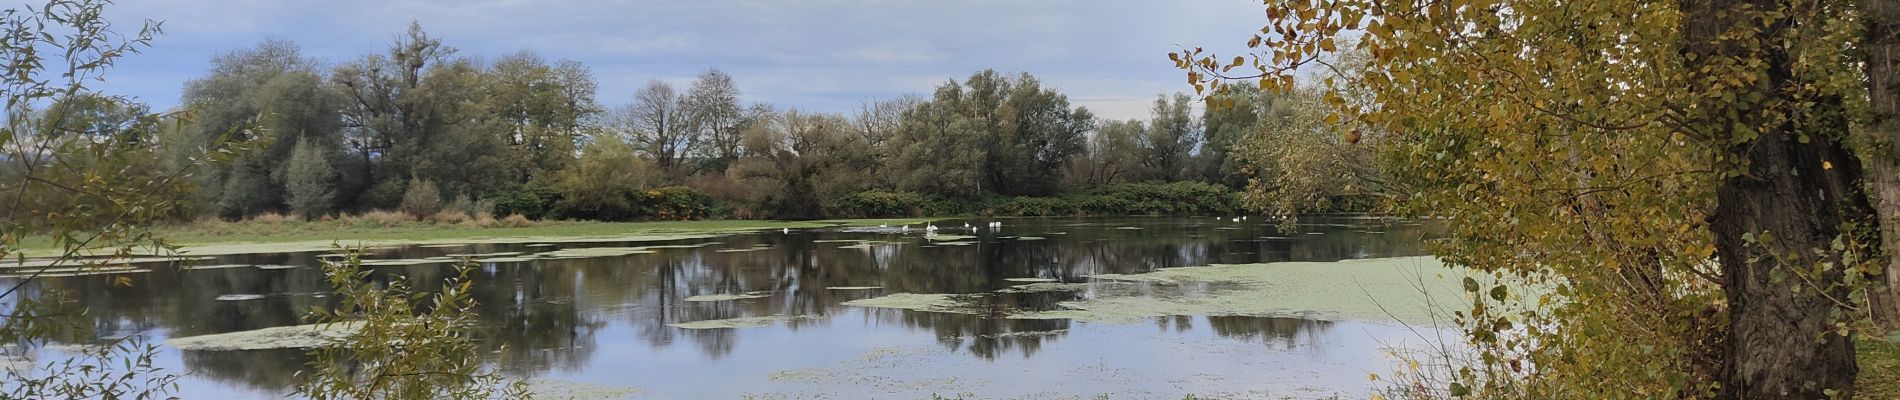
x,y
828,55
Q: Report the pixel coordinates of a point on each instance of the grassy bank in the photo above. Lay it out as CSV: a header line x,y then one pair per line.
x,y
1879,369
349,231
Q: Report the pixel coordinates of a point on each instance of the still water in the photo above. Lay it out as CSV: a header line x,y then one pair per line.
x,y
601,324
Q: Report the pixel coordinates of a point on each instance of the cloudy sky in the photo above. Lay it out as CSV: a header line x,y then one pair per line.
x,y
820,55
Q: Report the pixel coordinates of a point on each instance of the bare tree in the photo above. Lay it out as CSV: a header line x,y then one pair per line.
x,y
660,124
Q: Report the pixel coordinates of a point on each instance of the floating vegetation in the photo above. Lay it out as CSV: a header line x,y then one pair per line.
x,y
62,272
1031,280
866,244
484,255
741,250
506,259
591,252
239,297
1048,287
327,245
283,337
730,297
405,262
217,266
571,390
679,246
76,262
730,323
941,303
947,238
1390,289
956,243
1017,334
1128,228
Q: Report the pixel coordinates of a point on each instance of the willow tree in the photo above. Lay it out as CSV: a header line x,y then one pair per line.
x,y
1676,175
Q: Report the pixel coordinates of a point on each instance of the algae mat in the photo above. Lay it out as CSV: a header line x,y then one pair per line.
x,y
283,337
1409,290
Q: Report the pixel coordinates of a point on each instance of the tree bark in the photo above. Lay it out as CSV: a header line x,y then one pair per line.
x,y
1796,191
1882,44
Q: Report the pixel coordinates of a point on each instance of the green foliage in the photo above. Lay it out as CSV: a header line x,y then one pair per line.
x,y
79,168
1604,153
1179,198
536,201
606,183
675,203
992,134
309,183
882,204
1170,138
404,347
421,199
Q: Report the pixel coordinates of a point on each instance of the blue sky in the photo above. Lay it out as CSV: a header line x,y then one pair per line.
x,y
819,55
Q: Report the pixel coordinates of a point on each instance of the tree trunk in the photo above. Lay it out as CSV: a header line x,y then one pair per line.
x,y
1778,344
1882,44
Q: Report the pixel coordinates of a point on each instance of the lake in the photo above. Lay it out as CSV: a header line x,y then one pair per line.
x,y
607,324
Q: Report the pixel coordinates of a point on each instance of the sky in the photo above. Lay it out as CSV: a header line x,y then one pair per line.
x,y
813,55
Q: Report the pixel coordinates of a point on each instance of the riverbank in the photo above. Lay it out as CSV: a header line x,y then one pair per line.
x,y
215,237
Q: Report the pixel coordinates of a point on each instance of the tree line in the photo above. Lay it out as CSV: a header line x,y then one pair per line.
x,y
422,128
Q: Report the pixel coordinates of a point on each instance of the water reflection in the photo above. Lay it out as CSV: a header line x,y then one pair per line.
x,y
556,316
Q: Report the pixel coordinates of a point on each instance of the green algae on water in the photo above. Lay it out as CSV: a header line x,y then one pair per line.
x,y
733,323
570,390
592,252
1390,289
283,337
926,302
729,297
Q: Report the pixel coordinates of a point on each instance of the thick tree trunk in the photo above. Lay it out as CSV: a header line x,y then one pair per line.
x,y
1882,44
1796,191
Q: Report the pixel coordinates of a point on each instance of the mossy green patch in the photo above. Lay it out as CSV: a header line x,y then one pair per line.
x,y
948,238
1879,362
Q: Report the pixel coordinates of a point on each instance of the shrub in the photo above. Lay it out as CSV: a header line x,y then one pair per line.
x,y
516,221
421,199
532,201
274,218
676,203
384,219
881,204
449,217
309,184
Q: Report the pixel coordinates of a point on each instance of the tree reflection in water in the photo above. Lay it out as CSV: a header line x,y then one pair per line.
x,y
548,316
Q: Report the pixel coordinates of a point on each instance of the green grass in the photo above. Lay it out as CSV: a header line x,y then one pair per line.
x,y
1879,369
208,233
